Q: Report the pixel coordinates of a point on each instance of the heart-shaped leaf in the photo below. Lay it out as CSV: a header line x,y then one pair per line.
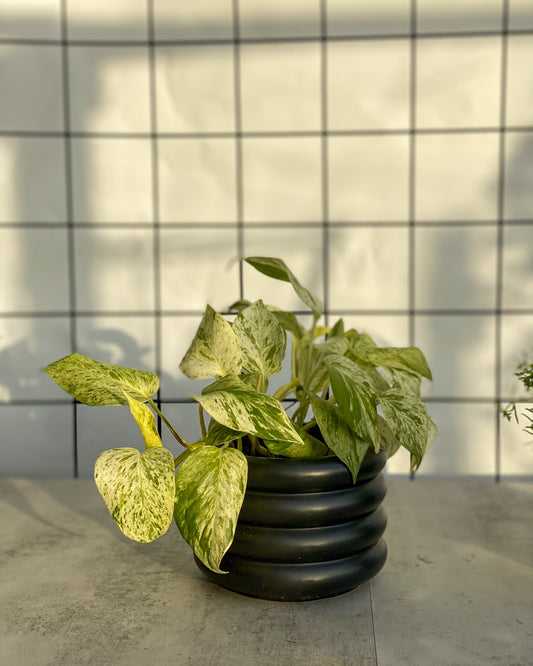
x,y
95,383
214,351
146,422
262,339
210,486
313,447
138,490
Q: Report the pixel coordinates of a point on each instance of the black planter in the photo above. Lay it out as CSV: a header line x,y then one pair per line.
x,y
304,531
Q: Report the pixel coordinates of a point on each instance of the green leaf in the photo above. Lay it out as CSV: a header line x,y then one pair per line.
x,y
313,447
338,330
355,397
340,438
218,434
214,351
95,383
210,486
237,406
289,323
146,422
389,443
409,420
277,269
262,339
410,359
138,490
239,305
333,345
406,382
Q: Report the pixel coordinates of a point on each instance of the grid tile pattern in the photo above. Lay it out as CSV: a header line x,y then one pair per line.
x,y
383,148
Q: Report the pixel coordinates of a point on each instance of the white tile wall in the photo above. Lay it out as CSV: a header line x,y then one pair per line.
x,y
132,176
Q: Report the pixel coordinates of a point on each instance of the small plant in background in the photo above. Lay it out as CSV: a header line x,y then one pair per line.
x,y
524,373
345,396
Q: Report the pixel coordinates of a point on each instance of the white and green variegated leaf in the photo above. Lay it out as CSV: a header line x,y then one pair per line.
x,y
410,422
340,438
237,406
389,443
262,339
218,434
95,383
333,345
410,359
406,382
356,397
277,269
210,487
215,351
146,422
313,447
255,381
337,331
360,343
138,490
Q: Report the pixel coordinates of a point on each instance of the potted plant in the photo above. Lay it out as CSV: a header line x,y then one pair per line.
x,y
280,496
524,373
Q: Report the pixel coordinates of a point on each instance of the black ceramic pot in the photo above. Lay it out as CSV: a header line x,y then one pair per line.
x,y
305,531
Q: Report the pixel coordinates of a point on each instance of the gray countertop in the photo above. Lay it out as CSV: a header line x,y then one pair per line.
x,y
457,588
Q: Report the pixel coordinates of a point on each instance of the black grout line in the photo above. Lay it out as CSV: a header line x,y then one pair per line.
x,y
239,184
155,197
412,174
70,214
499,240
324,157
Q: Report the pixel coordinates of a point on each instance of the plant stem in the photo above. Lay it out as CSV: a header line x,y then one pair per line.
x,y
202,422
163,418
284,390
181,457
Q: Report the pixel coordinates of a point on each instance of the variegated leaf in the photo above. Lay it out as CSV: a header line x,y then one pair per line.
x,y
389,443
356,398
277,269
405,382
214,352
95,383
337,331
313,447
340,438
333,345
237,406
239,305
410,359
138,490
146,422
410,422
218,434
210,487
289,322
262,339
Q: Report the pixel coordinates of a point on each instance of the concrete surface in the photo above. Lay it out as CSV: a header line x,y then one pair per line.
x,y
457,588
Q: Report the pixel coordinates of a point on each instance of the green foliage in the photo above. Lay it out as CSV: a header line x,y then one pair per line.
x,y
524,373
346,396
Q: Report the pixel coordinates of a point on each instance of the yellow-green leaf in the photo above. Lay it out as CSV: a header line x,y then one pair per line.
x,y
210,487
95,383
262,339
138,490
146,422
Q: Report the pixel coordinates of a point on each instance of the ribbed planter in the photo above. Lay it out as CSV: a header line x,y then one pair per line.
x,y
305,531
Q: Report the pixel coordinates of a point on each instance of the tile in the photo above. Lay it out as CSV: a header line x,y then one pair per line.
x,y
109,89
460,351
30,77
368,178
101,20
517,445
198,266
516,347
195,88
300,249
280,86
201,19
128,341
26,347
282,179
177,333
368,268
517,266
112,180
103,428
465,164
32,19
368,84
466,282
366,17
197,180
518,172
35,165
40,439
458,82
33,270
519,103
277,18
520,15
183,417
385,330
114,269
458,15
